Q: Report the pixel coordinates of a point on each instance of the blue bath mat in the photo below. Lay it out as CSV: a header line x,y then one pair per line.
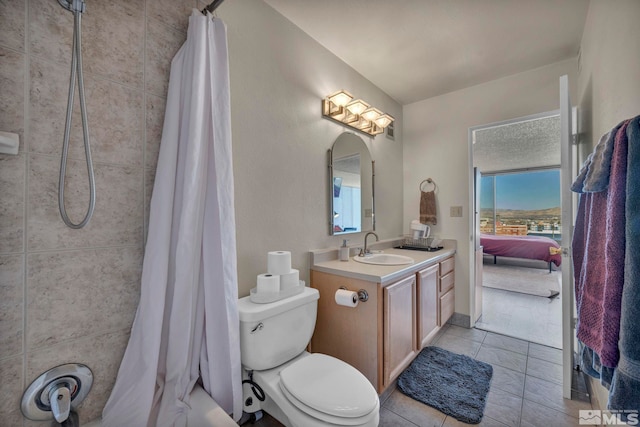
x,y
454,384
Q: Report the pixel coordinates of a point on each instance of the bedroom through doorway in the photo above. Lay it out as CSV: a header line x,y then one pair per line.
x,y
518,228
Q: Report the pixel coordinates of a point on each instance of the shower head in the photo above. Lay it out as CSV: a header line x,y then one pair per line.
x,y
73,5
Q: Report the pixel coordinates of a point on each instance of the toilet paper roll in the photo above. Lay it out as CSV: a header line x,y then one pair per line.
x,y
279,262
268,283
290,279
346,298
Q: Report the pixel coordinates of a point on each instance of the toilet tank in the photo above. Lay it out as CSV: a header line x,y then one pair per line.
x,y
272,334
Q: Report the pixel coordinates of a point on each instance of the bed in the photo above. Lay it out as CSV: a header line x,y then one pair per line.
x,y
530,247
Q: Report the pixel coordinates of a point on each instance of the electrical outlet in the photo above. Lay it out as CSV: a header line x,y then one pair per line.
x,y
455,211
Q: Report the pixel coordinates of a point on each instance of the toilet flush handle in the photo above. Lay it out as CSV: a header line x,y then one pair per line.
x,y
60,400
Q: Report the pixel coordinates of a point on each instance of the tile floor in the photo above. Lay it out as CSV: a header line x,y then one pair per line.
x,y
528,317
525,390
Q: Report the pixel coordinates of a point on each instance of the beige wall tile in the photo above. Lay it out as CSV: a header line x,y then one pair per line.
x,y
11,304
101,353
12,181
12,22
112,37
155,121
73,294
47,107
113,40
115,115
12,89
163,43
171,12
116,123
118,216
50,31
11,391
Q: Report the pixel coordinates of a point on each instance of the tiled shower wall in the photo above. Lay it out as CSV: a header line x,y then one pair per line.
x,y
70,295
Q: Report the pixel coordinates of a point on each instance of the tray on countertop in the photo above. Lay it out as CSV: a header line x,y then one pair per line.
x,y
419,248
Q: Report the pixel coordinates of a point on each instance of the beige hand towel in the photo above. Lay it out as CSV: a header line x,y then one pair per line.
x,y
428,207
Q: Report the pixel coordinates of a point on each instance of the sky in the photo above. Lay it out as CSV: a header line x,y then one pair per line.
x,y
523,191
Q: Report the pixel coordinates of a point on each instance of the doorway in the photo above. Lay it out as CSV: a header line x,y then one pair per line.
x,y
517,228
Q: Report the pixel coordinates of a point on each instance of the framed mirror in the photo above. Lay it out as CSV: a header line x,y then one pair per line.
x,y
351,186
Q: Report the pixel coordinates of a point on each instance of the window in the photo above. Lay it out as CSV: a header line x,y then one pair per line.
x,y
522,203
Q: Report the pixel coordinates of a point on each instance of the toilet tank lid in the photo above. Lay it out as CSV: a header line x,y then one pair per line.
x,y
250,311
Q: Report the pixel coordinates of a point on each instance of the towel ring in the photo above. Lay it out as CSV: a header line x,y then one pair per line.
x,y
429,181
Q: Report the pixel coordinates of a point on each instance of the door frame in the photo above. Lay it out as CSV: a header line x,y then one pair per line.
x,y
568,172
474,238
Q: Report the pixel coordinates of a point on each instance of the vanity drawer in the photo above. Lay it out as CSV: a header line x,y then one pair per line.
x,y
447,306
446,282
446,266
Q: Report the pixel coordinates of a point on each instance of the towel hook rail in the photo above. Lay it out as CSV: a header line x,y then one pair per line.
x,y
429,181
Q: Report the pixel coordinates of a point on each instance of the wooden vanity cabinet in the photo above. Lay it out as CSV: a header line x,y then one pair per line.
x,y
380,337
353,335
446,291
399,327
428,303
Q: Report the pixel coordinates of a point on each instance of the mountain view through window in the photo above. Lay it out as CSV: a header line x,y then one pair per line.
x,y
526,203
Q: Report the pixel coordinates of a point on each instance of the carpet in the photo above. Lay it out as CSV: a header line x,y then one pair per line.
x,y
532,281
454,384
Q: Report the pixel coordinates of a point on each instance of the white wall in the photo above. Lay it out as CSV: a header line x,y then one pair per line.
x,y
609,76
608,83
280,140
436,145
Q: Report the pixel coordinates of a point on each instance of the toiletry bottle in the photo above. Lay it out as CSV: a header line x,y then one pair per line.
x,y
344,251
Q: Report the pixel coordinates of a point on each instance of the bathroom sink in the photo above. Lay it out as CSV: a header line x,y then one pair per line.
x,y
384,259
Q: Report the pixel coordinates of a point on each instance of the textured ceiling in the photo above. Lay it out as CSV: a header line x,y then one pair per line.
x,y
521,145
417,49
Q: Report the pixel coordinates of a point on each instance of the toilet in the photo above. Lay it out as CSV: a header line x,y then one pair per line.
x,y
298,388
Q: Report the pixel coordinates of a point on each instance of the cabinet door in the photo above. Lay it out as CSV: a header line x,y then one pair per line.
x,y
399,327
447,306
427,297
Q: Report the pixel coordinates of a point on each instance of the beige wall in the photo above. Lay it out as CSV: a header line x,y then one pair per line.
x,y
436,145
608,83
278,77
70,295
609,70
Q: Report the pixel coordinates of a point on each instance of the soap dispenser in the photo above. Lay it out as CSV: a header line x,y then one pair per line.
x,y
344,251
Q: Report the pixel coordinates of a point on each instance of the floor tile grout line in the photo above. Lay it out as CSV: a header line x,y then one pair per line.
x,y
400,415
544,360
524,390
549,407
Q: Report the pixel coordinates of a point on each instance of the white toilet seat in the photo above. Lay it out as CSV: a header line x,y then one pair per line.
x,y
326,418
329,389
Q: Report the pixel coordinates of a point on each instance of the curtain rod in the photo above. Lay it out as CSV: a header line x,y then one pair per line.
x,y
212,6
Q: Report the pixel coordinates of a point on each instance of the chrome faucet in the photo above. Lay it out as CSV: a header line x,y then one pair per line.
x,y
366,251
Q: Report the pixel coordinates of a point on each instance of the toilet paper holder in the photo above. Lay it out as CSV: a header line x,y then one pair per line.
x,y
363,295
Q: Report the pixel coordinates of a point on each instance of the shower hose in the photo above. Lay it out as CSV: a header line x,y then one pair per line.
x,y
76,70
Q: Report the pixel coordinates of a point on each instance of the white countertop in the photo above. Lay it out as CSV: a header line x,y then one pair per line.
x,y
327,262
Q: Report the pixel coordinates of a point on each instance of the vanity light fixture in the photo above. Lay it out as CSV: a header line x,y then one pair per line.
x,y
341,107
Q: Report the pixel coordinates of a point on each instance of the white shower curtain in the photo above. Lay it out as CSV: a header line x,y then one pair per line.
x,y
186,326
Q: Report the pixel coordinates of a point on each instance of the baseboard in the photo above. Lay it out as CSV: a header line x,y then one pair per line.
x,y
462,320
599,393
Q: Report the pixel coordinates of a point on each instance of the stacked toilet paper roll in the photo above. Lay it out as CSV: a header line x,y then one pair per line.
x,y
278,270
268,283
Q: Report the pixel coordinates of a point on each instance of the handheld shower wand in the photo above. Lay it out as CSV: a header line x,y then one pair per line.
x,y
77,7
